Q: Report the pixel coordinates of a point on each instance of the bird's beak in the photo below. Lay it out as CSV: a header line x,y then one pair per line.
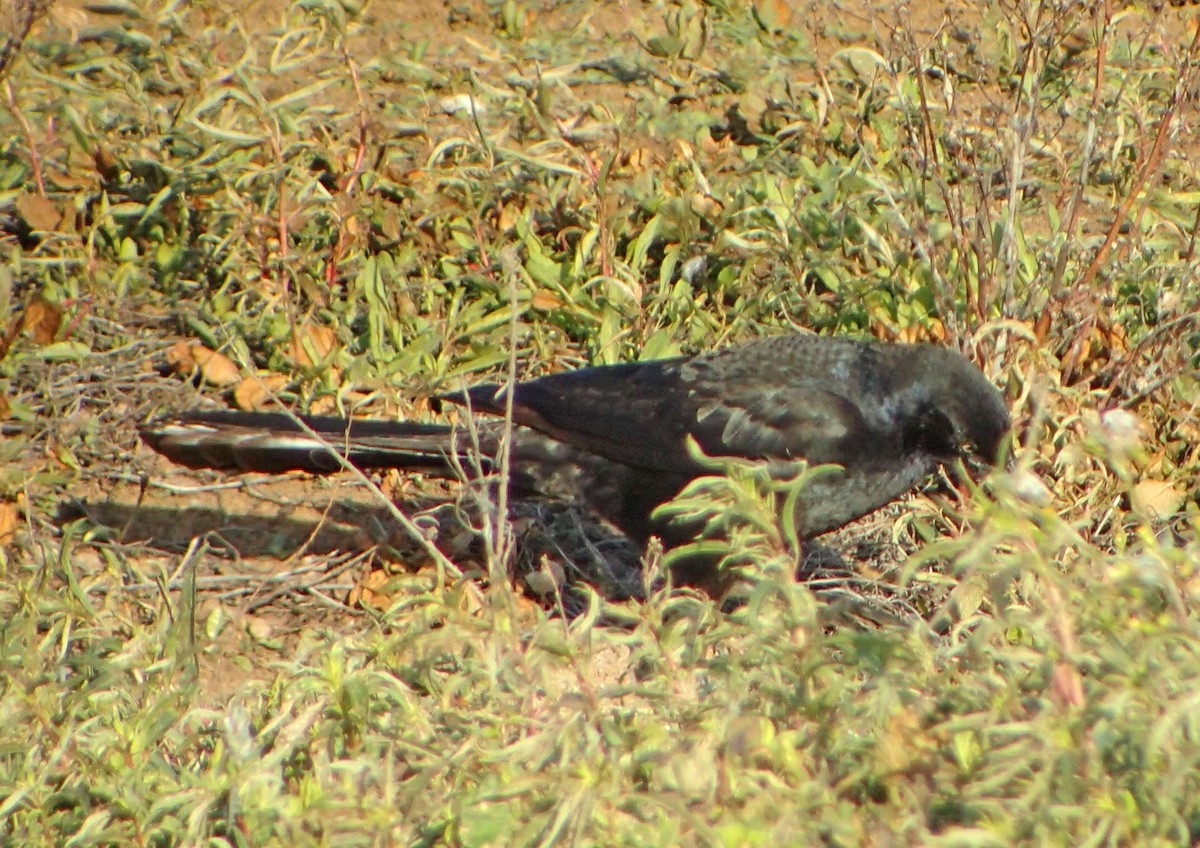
x,y
978,466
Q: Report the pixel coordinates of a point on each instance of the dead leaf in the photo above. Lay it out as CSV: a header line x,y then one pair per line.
x,y
42,320
883,331
66,181
1095,347
40,213
639,159
506,221
1041,327
40,317
545,300
330,405
773,15
179,357
216,369
192,358
369,592
1156,498
255,393
10,520
705,205
311,345
930,330
106,163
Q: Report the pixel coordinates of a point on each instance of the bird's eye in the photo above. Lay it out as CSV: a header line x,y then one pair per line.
x,y
968,448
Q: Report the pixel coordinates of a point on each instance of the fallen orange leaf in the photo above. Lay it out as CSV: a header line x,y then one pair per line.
x,y
10,520
255,392
42,319
40,213
545,300
191,358
311,345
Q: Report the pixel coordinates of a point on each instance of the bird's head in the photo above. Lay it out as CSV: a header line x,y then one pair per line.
x,y
958,413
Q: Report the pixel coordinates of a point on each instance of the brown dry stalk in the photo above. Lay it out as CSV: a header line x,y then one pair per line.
x,y
1151,162
16,19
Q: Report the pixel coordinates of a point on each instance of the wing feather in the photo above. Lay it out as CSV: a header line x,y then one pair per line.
x,y
641,414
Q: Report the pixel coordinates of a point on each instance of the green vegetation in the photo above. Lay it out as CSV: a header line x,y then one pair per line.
x,y
362,206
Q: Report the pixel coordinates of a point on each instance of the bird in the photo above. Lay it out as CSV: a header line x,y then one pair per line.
x,y
614,439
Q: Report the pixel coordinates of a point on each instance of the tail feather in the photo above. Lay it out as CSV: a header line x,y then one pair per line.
x,y
540,466
274,442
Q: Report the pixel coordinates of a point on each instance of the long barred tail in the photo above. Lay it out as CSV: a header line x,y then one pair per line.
x,y
540,465
273,442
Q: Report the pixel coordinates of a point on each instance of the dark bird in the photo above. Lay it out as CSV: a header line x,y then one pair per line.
x,y
613,438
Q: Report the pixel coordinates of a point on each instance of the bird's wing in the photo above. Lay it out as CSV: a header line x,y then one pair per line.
x,y
769,421
640,414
